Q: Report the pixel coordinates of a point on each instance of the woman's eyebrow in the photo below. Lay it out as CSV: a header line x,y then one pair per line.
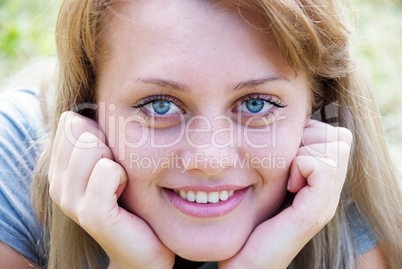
x,y
174,85
166,84
257,82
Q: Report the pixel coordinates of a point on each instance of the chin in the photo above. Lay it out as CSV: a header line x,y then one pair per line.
x,y
210,252
207,244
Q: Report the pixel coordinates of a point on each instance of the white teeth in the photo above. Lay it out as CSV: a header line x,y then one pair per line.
x,y
190,196
224,195
183,195
213,197
202,197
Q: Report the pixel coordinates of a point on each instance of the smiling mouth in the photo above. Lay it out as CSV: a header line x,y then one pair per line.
x,y
206,202
202,197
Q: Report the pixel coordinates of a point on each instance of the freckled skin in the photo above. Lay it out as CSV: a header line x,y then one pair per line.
x,y
208,51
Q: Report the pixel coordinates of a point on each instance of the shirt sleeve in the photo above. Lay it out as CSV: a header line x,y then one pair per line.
x,y
20,129
364,236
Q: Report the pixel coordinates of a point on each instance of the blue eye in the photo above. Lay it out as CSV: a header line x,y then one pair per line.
x,y
255,106
161,107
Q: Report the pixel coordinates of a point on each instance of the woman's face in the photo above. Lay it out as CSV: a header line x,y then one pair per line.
x,y
205,116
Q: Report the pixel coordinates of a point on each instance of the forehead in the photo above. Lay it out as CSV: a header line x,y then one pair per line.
x,y
180,29
181,39
175,21
158,12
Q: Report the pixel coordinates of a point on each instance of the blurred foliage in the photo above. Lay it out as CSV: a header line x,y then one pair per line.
x,y
27,33
378,42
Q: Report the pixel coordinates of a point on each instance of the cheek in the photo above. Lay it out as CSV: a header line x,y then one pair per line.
x,y
127,134
272,163
145,161
274,146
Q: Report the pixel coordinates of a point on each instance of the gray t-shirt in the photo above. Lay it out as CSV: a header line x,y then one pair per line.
x,y
20,129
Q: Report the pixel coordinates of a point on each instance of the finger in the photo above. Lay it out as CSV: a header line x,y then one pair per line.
x,y
319,132
103,185
320,197
303,167
317,150
111,225
80,166
70,124
56,142
296,181
337,151
345,135
312,168
69,130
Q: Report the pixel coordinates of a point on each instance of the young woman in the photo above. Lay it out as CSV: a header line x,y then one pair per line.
x,y
183,128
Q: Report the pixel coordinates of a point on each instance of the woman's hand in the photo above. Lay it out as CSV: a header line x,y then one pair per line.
x,y
86,183
317,175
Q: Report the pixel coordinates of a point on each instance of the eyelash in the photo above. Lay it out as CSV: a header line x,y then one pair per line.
x,y
271,100
150,99
153,98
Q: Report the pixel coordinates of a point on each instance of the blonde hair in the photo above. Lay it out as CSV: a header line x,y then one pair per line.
x,y
313,37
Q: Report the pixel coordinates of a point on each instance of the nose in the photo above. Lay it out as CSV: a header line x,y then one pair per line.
x,y
210,146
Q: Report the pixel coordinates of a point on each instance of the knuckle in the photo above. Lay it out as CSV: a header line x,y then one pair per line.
x,y
61,126
53,192
84,217
87,136
87,140
344,147
298,159
63,117
54,189
75,126
66,120
317,164
338,148
78,126
65,205
107,166
345,135
332,147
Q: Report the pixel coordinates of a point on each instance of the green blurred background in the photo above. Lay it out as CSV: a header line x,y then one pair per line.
x,y
27,35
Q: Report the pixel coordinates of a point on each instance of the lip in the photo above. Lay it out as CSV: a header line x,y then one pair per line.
x,y
209,210
209,188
